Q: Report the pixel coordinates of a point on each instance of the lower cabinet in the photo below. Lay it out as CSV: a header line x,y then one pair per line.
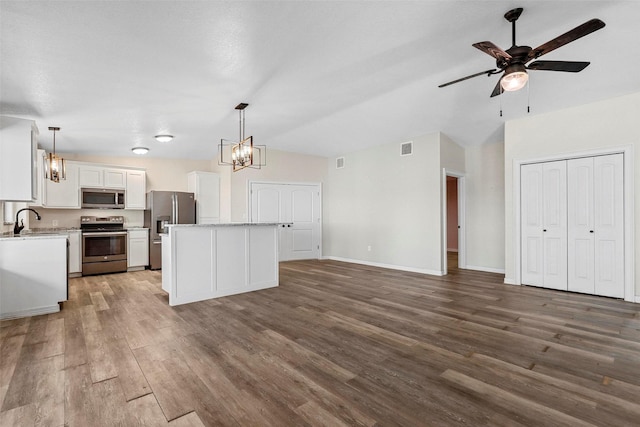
x,y
75,252
138,250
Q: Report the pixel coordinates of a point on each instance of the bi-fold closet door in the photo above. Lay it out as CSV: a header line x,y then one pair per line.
x,y
572,225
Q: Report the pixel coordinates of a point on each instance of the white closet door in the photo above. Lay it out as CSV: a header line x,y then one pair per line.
x,y
609,225
298,207
580,225
554,219
304,234
531,210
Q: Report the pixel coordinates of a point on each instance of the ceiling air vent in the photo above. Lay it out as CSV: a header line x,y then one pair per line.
x,y
406,148
340,163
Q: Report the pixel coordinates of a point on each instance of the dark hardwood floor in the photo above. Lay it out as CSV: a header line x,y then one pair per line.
x,y
335,344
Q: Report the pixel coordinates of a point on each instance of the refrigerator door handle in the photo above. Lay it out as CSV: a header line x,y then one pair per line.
x,y
177,208
173,208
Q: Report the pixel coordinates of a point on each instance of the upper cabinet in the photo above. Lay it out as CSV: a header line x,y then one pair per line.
x,y
206,188
66,193
135,193
18,145
93,176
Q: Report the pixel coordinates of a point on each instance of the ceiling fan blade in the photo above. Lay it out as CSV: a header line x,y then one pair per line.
x,y
497,90
493,50
488,73
568,66
572,35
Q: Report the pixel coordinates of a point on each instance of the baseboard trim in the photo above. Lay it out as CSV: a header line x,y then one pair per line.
x,y
31,312
638,299
510,281
485,269
382,265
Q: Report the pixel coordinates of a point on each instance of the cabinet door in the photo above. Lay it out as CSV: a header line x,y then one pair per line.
x,y
18,141
75,252
66,193
115,178
135,194
138,253
207,196
91,176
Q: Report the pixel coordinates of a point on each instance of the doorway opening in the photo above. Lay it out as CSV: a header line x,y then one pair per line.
x,y
453,236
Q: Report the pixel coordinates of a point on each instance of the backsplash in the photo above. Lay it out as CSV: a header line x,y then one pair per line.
x,y
70,218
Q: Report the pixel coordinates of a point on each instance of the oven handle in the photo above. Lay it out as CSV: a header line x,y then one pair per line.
x,y
108,233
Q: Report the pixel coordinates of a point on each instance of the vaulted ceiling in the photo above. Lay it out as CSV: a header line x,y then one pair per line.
x,y
320,77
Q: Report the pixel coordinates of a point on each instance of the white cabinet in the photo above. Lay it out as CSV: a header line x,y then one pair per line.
x,y
206,188
33,273
135,194
94,176
18,145
75,252
66,193
40,199
138,249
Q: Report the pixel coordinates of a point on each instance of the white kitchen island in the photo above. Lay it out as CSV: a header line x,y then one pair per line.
x,y
207,261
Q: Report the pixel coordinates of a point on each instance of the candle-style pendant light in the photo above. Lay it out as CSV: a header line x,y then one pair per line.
x,y
56,169
244,153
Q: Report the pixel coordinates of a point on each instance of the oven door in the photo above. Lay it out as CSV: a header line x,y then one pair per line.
x,y
104,246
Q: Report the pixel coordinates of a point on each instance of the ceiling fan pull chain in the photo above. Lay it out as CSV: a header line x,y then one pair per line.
x,y
528,96
501,100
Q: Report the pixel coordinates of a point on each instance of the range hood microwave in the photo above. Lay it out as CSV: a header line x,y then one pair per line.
x,y
102,198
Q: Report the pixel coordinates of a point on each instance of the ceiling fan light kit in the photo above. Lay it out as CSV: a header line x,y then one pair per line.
x,y
514,62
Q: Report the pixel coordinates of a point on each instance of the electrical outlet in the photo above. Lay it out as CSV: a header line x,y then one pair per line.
x,y
54,223
369,248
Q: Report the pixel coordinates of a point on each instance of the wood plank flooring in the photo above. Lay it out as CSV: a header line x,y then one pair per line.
x,y
335,344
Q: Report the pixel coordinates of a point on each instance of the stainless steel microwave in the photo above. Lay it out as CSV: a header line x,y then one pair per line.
x,y
102,198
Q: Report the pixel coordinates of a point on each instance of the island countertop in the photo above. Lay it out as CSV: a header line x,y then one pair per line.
x,y
227,224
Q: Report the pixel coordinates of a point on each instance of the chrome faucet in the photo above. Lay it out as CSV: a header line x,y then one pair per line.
x,y
18,228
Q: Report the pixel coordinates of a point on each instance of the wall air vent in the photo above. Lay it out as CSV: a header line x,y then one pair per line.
x,y
406,148
340,163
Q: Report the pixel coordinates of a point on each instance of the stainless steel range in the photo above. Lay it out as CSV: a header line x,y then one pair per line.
x,y
104,245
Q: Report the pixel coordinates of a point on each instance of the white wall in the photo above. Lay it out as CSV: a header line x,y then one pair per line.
x,y
485,207
389,202
608,123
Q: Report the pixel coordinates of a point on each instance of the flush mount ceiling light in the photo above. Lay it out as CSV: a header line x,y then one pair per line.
x,y
163,138
244,153
56,168
140,150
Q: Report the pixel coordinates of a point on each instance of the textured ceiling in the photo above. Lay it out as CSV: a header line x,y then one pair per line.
x,y
321,77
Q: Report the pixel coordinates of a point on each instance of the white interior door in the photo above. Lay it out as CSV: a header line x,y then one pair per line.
x,y
609,225
531,224
298,207
554,178
580,225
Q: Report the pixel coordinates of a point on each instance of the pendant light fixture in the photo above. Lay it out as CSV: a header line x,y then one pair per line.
x,y
244,153
56,168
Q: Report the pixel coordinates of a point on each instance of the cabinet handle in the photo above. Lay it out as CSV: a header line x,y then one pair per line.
x,y
545,230
288,225
590,231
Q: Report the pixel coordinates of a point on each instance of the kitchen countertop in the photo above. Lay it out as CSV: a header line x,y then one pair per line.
x,y
226,224
38,233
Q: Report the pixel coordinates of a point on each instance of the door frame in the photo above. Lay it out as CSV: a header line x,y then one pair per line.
x,y
319,184
462,244
629,243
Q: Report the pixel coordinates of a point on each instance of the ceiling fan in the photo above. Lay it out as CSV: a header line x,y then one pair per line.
x,y
513,62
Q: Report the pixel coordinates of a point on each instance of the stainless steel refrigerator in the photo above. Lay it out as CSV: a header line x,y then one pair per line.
x,y
163,208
